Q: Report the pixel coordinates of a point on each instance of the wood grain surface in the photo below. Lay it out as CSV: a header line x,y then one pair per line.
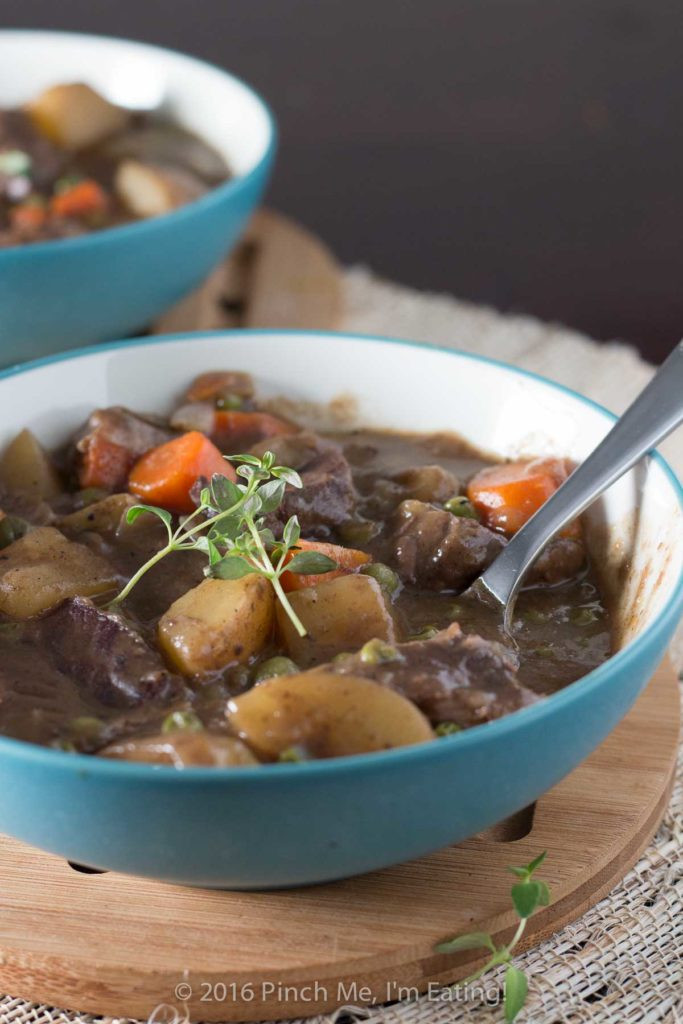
x,y
116,945
280,275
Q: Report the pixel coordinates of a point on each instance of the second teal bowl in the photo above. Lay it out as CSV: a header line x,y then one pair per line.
x,y
61,294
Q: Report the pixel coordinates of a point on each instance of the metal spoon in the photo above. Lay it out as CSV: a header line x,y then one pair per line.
x,y
655,413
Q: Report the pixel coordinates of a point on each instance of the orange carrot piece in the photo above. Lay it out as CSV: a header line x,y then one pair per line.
x,y
165,475
235,431
506,496
28,216
348,560
103,463
81,199
208,386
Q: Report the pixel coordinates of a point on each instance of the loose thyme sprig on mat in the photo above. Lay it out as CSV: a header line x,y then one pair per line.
x,y
527,895
232,532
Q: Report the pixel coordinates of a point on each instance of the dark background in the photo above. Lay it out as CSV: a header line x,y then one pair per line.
x,y
522,153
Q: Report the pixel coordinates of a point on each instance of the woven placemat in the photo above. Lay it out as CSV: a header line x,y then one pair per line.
x,y
622,962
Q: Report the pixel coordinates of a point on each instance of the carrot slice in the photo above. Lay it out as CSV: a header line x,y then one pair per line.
x,y
235,430
28,216
80,200
103,463
506,496
165,475
347,559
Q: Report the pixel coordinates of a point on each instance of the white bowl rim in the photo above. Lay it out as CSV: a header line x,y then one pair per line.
x,y
232,186
497,729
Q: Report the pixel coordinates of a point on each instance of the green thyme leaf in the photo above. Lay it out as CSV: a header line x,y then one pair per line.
x,y
232,567
516,989
311,563
290,476
536,862
225,494
291,532
526,897
544,895
137,510
473,940
271,494
246,460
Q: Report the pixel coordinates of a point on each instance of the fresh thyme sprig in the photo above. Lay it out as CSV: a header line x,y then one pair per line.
x,y
527,895
229,526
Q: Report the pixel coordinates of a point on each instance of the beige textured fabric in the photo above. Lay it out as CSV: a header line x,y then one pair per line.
x,y
622,963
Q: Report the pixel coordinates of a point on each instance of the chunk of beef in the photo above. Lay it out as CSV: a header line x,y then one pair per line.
x,y
328,496
164,583
433,548
35,697
563,558
109,444
105,656
452,677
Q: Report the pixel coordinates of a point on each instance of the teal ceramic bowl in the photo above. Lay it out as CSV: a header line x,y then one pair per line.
x,y
283,825
60,294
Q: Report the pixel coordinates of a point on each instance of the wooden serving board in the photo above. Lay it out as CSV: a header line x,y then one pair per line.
x,y
280,275
121,946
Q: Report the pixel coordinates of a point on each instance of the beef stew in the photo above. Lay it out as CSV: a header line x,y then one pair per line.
x,y
71,162
160,602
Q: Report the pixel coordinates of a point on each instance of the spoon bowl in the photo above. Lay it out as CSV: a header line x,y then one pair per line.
x,y
654,414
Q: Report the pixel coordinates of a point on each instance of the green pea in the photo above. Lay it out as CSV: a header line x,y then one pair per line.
x,y
388,580
358,532
228,400
342,656
583,616
68,181
425,634
293,755
460,506
535,615
447,728
544,651
15,163
240,677
89,495
376,652
181,721
11,529
62,744
279,666
86,727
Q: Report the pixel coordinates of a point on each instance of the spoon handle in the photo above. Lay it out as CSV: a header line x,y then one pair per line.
x,y
657,411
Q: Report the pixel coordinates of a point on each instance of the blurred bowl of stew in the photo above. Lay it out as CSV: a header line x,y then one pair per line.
x,y
283,824
126,173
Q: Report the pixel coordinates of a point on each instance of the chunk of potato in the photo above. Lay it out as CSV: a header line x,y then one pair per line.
x,y
101,517
183,750
339,615
217,623
26,469
148,190
325,715
75,116
43,568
